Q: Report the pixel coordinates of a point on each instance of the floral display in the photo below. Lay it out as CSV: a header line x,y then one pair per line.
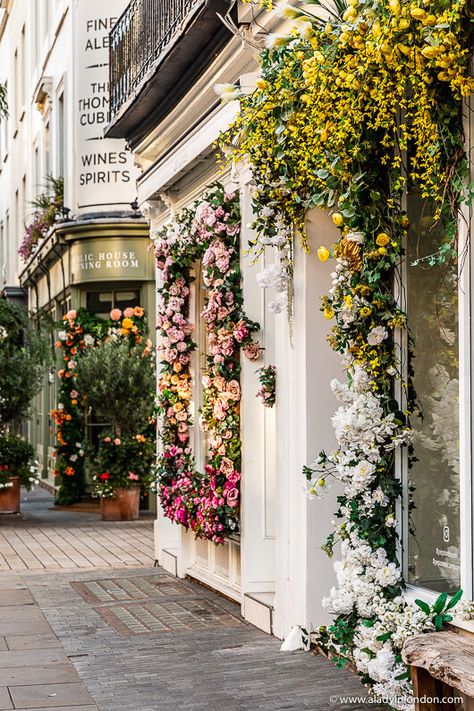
x,y
81,330
267,379
123,462
206,502
48,207
353,110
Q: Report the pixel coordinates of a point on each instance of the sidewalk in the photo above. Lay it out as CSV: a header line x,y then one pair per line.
x,y
108,635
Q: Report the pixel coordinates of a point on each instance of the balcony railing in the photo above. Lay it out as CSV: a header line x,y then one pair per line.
x,y
138,39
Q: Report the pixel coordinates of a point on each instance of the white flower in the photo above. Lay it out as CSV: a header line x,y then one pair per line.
x,y
377,335
286,10
89,340
227,92
62,335
357,237
3,333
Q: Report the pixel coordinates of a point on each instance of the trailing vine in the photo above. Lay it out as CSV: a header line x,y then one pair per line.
x,y
207,502
350,113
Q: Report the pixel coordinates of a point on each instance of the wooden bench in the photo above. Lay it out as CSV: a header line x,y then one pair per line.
x,y
441,665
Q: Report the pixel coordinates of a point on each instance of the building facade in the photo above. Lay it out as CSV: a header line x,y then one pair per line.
x,y
164,105
93,252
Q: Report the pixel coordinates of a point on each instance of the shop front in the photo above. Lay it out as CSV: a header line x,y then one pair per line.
x,y
98,265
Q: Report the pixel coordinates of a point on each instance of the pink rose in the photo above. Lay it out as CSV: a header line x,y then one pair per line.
x,y
133,476
233,498
117,441
128,312
233,478
115,314
71,315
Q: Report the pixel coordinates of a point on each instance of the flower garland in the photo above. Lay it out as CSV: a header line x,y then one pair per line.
x,y
81,330
267,380
339,107
206,502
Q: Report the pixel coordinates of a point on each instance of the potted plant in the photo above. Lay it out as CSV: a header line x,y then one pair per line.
x,y
117,383
23,349
17,468
123,465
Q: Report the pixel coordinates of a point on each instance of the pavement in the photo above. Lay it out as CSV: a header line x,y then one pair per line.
x,y
88,624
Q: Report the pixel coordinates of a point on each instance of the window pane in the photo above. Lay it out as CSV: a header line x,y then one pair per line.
x,y
99,303
434,542
122,299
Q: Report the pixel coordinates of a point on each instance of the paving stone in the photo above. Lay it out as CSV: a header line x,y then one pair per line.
x,y
51,696
24,658
18,628
12,613
60,708
37,641
5,699
15,597
37,674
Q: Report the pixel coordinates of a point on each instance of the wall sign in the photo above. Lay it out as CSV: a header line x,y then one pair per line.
x,y
111,259
105,172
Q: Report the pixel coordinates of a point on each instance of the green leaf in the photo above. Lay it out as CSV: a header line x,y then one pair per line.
x,y
423,606
454,600
440,602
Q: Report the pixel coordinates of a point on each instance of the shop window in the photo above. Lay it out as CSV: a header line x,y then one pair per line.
x,y
432,535
101,303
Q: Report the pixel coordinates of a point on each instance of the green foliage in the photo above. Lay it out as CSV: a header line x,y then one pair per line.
x,y
439,611
117,382
17,459
23,352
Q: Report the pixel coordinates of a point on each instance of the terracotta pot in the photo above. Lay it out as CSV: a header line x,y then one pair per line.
x,y
124,506
10,497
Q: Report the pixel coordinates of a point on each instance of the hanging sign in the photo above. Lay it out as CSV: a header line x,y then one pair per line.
x,y
105,174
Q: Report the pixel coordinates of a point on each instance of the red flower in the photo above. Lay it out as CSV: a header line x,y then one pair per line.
x,y
104,476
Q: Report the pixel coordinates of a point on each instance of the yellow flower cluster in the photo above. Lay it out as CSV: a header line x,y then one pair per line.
x,y
381,74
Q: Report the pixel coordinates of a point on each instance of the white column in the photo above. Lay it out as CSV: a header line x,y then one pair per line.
x,y
305,407
258,434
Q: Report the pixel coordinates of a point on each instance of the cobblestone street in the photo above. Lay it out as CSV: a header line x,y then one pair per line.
x,y
97,627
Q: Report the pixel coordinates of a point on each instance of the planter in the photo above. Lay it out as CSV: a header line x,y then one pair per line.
x,y
10,497
124,506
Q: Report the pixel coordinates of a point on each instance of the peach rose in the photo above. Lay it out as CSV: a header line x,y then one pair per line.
x,y
226,466
252,351
115,314
129,312
233,390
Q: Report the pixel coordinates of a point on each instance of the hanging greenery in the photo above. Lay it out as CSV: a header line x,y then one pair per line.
x,y
350,113
207,502
47,210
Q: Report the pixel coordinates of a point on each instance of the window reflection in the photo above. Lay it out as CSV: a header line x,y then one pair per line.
x,y
432,295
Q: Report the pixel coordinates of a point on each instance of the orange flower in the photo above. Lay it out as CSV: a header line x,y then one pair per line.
x,y
69,471
127,323
138,311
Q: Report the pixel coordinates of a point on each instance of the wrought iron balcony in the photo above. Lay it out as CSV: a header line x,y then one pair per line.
x,y
153,48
